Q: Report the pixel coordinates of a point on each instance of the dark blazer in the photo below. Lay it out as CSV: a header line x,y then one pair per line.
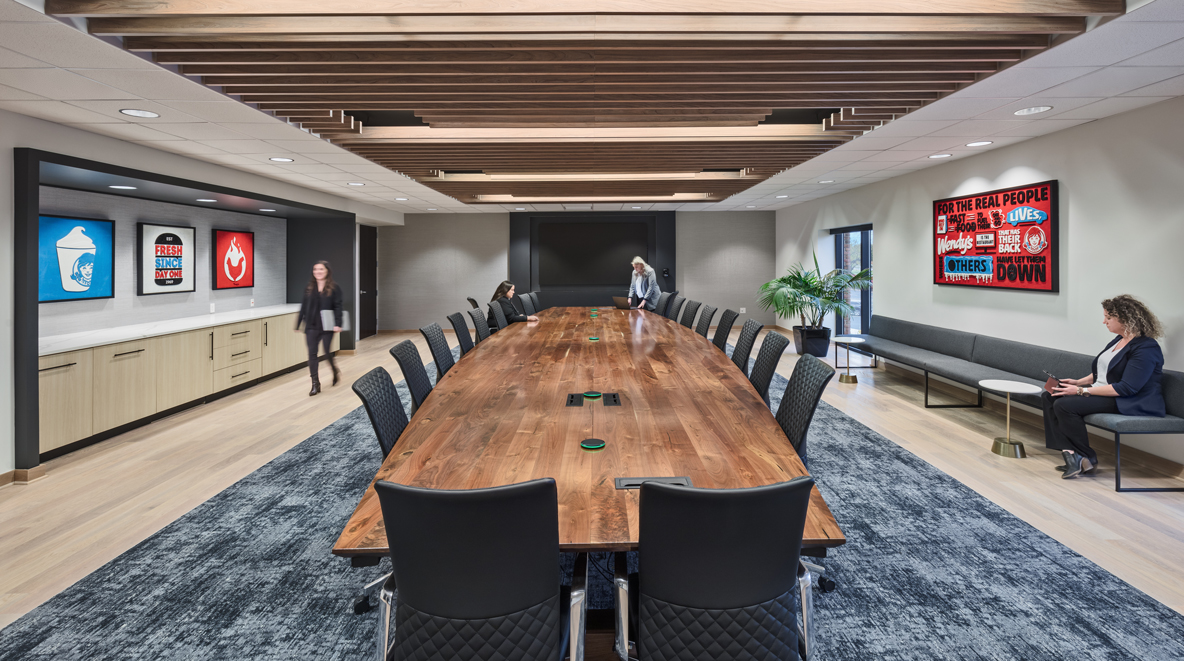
x,y
1135,372
508,309
315,301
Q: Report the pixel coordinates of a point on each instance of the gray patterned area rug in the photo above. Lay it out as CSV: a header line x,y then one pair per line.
x,y
931,570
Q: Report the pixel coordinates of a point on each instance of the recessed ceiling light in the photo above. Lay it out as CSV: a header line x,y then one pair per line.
x,y
941,156
280,159
1034,110
827,181
123,187
356,183
206,200
267,209
781,196
635,207
146,114
431,209
980,143
401,199
751,206
519,208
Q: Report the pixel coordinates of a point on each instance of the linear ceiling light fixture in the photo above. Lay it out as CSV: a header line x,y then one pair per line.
x,y
941,156
510,199
280,159
980,143
441,175
144,114
1034,110
123,187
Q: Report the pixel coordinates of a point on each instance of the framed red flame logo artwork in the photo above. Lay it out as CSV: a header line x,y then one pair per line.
x,y
234,259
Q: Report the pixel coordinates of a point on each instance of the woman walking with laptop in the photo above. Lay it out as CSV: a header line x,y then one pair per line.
x,y
321,294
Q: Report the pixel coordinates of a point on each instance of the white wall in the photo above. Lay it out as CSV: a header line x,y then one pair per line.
x,y
1122,226
724,257
428,266
22,131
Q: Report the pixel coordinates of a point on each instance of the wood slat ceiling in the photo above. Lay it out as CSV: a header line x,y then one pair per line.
x,y
520,87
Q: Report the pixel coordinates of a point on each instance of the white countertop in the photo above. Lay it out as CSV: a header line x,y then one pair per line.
x,y
74,341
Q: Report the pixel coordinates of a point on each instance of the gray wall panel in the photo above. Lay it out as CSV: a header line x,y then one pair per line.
x,y
724,258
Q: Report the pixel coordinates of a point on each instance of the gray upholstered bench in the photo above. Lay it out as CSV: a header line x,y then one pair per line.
x,y
968,358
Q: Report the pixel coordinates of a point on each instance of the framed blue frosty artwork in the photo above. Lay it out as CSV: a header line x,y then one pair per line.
x,y
75,259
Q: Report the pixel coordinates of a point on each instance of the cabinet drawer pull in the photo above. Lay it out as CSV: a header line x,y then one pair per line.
x,y
240,333
265,333
211,346
241,353
127,353
55,367
235,376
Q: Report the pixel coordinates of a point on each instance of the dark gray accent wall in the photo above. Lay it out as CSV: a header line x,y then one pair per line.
x,y
311,240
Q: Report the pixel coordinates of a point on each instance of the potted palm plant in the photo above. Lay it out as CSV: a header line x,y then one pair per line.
x,y
810,295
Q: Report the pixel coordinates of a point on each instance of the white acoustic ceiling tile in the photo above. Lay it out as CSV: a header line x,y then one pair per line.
x,y
59,84
1105,45
55,111
1114,106
13,94
13,60
935,143
974,128
1113,81
229,159
241,146
186,147
864,166
307,146
63,46
872,141
904,127
224,110
1171,55
158,84
275,130
201,131
112,109
1170,87
342,176
1047,126
897,155
342,158
310,168
363,167
958,108
1027,82
1157,11
1059,105
125,131
605,206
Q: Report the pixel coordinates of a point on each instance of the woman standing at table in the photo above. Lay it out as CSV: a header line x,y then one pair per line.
x,y
320,294
502,296
643,286
1125,378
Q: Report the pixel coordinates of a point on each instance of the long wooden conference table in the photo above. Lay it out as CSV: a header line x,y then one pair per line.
x,y
500,416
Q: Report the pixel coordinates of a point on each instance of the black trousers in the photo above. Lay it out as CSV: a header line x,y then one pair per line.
x,y
313,337
1064,424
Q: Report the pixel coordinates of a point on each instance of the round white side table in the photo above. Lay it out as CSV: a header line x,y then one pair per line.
x,y
1004,446
847,341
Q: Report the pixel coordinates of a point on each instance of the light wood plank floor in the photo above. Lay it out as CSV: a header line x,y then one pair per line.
x,y
97,503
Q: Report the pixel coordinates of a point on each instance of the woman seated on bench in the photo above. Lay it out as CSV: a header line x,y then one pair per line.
x,y
1125,379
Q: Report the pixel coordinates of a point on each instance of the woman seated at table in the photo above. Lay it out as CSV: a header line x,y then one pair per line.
x,y
643,287
1125,379
502,296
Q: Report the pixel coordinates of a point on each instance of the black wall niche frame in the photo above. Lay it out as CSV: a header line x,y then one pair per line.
x,y
313,233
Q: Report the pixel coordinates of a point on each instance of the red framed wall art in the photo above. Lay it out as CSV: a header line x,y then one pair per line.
x,y
234,259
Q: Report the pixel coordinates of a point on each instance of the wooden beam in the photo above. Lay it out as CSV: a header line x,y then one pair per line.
x,y
604,71
543,92
601,24
756,99
589,81
811,102
131,8
764,132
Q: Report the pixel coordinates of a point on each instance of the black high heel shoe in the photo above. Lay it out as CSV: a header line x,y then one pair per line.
x,y
336,375
316,388
1073,466
1065,466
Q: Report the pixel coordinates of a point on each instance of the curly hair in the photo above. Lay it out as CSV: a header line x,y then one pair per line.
x,y
1136,317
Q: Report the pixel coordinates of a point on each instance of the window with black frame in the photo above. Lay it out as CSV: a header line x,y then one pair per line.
x,y
853,252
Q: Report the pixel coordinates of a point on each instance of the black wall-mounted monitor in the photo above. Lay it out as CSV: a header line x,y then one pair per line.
x,y
589,254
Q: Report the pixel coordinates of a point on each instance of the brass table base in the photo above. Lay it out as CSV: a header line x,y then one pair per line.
x,y
848,378
1008,448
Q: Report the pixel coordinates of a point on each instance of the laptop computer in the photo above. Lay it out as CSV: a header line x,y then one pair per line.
x,y
621,302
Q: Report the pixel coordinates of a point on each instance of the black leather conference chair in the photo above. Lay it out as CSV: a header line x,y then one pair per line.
x,y
744,344
438,345
806,383
724,329
662,303
462,332
665,311
766,362
717,572
528,307
688,314
499,316
479,325
704,324
675,306
534,298
478,575
473,302
377,391
414,373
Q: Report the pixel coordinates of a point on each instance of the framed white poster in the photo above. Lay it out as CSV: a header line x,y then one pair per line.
x,y
165,259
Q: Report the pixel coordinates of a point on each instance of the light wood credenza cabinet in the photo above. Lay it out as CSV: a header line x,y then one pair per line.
x,y
90,391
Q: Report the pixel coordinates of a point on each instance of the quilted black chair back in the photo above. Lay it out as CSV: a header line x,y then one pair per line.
x,y
381,400
528,307
414,373
717,570
462,332
688,314
665,311
499,315
766,362
675,306
724,329
744,344
802,393
477,571
534,298
473,302
662,303
705,320
438,345
479,324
